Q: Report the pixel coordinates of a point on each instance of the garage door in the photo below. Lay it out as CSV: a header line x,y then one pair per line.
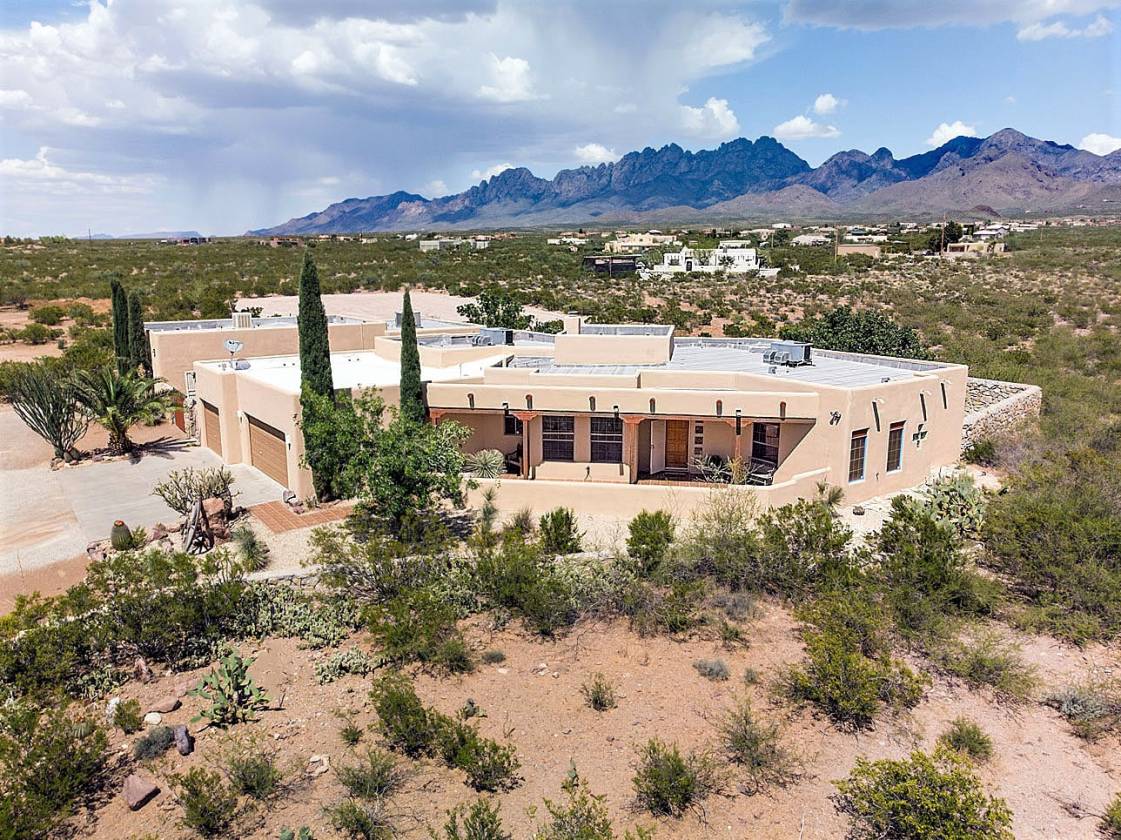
x,y
267,451
211,426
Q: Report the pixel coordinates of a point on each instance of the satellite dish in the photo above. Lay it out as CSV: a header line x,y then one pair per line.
x,y
233,345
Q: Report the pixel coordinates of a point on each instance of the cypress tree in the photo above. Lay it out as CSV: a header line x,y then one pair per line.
x,y
311,322
412,392
120,324
137,344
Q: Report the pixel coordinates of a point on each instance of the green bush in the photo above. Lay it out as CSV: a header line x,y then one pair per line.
x,y
1092,707
350,733
712,669
153,743
251,768
981,452
479,822
558,532
234,696
1111,819
362,820
489,766
128,717
656,609
919,798
209,805
598,693
756,748
803,547
519,577
721,543
986,659
582,815
48,761
651,535
419,626
967,738
407,725
493,657
376,776
48,314
668,783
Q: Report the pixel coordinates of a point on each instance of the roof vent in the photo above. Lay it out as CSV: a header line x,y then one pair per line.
x,y
243,320
789,353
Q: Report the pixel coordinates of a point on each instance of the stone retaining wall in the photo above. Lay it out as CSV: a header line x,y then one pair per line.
x,y
993,407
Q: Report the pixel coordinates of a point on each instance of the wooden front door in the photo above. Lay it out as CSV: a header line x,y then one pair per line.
x,y
267,451
212,426
677,443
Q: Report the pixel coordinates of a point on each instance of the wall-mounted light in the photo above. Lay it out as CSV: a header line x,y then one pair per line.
x,y
739,423
834,418
591,403
615,409
505,405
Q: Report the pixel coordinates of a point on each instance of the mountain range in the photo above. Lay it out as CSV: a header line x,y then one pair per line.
x,y
1007,172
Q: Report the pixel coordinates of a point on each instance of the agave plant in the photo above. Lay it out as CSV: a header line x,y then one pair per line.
x,y
47,402
486,463
118,401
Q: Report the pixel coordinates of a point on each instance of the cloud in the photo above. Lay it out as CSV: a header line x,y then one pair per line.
x,y
39,173
490,172
511,80
713,120
827,103
436,188
1100,27
595,153
718,41
1100,144
14,99
907,14
802,127
945,132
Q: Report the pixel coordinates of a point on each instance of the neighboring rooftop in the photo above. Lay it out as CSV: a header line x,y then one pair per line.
x,y
490,337
228,323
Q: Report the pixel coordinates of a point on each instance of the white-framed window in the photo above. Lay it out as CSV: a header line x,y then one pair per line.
x,y
858,450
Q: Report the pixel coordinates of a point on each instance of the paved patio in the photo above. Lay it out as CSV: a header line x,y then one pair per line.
x,y
47,516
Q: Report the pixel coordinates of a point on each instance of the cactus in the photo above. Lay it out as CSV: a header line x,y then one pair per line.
x,y
958,502
486,463
304,833
234,695
120,537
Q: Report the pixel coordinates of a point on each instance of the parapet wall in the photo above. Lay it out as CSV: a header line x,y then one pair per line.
x,y
993,407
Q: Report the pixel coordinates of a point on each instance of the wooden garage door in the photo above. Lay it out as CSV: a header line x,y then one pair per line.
x,y
211,426
267,451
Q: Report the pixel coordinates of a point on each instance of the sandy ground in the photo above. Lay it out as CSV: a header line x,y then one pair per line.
x,y
1039,767
380,306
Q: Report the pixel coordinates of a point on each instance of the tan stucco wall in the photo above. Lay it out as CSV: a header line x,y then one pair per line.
x,y
589,348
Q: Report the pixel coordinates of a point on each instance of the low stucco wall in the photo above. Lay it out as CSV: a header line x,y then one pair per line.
x,y
994,407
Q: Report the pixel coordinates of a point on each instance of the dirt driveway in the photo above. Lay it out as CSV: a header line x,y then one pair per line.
x,y
48,517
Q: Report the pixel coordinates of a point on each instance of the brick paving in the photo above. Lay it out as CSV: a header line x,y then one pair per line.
x,y
279,517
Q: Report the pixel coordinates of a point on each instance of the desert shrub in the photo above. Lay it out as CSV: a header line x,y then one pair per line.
x,y
1092,707
128,717
720,542
419,626
981,452
750,676
489,766
376,776
481,821
48,761
521,523
252,549
598,693
669,609
406,724
856,331
153,743
651,535
967,738
668,783
855,616
341,663
986,659
756,748
234,696
581,816
362,820
48,314
519,577
251,768
493,657
1111,819
712,669
558,532
803,546
183,487
350,732
209,804
921,797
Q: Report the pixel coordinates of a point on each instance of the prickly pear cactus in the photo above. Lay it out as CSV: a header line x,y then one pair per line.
x,y
234,696
958,502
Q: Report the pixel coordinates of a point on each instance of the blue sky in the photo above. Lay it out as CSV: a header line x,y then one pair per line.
x,y
218,115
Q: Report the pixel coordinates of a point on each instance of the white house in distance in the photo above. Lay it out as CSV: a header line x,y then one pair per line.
x,y
731,256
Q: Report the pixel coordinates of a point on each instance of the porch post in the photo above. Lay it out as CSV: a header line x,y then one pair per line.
x,y
630,443
526,417
436,414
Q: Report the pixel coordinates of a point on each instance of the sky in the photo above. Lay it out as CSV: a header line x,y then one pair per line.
x,y
122,116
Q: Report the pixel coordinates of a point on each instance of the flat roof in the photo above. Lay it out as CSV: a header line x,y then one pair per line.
x,y
844,370
358,369
199,324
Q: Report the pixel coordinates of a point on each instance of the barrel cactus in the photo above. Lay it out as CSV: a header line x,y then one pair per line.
x,y
120,537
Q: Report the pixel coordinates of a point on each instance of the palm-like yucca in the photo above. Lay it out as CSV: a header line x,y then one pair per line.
x,y
118,401
47,401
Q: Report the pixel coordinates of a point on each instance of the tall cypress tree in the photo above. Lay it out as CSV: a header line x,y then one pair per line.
x,y
120,324
137,344
315,350
412,392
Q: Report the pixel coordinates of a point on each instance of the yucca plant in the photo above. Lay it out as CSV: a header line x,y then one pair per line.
x,y
47,402
234,695
118,401
486,463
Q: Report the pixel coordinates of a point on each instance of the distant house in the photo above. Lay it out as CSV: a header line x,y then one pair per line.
x,y
478,243
731,256
629,242
973,249
567,240
611,264
845,249
810,239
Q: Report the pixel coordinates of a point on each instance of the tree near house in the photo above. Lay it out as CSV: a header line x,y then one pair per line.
x,y
118,401
951,232
119,301
851,331
46,400
496,308
311,322
411,391
138,358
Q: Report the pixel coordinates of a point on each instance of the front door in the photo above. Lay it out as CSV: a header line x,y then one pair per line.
x,y
677,443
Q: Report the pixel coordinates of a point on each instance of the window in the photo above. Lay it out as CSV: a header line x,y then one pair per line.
x,y
858,448
607,440
764,442
557,436
511,425
895,447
